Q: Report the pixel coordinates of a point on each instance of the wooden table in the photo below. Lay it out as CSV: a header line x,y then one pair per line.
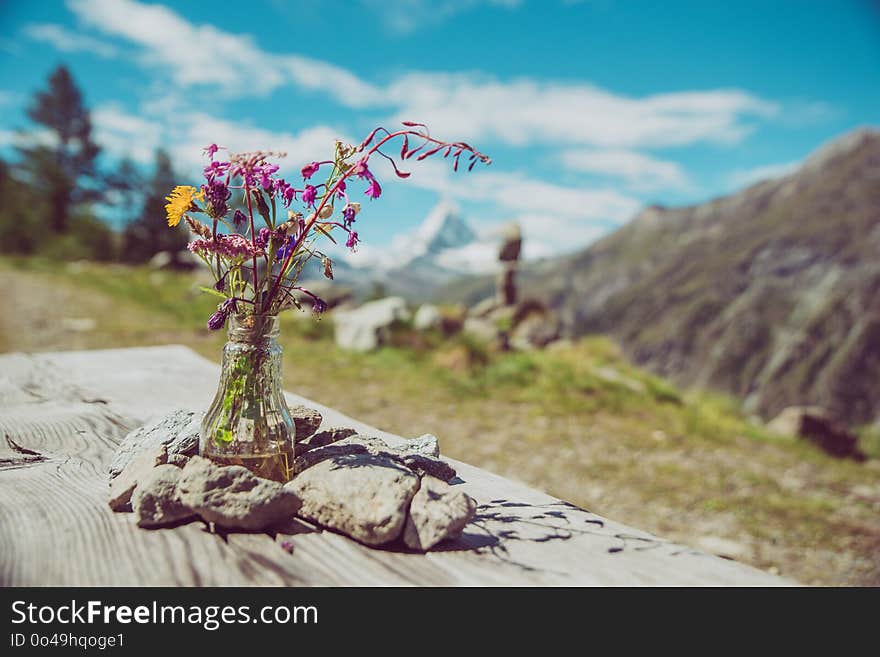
x,y
62,415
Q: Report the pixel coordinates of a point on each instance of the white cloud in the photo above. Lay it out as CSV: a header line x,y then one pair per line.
x,y
66,41
518,193
185,134
519,112
126,135
205,55
549,235
405,16
639,171
745,177
524,112
196,130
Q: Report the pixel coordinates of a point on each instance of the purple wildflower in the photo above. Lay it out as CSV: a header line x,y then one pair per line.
x,y
286,248
218,319
340,190
210,150
309,195
361,170
230,246
373,191
217,194
352,241
239,219
215,170
310,170
319,306
348,214
289,195
266,172
263,238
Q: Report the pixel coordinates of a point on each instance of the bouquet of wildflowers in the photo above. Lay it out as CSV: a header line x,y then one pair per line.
x,y
257,256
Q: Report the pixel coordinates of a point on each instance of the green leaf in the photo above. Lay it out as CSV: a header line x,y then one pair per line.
x,y
211,290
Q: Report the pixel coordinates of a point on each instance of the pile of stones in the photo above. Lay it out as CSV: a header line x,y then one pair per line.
x,y
354,484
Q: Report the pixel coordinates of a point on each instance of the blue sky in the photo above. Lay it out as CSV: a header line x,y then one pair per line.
x,y
589,109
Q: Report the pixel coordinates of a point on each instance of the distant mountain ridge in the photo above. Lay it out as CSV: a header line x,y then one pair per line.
x,y
771,294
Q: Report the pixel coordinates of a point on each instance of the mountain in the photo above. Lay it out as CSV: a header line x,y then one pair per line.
x,y
771,294
444,247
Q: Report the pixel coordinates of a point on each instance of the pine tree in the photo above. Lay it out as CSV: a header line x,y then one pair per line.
x,y
149,233
61,163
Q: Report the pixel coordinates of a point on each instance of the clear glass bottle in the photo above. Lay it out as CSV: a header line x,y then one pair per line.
x,y
249,422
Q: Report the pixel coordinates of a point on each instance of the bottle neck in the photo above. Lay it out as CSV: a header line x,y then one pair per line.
x,y
253,329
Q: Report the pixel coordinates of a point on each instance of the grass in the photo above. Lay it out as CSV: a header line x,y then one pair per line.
x,y
576,420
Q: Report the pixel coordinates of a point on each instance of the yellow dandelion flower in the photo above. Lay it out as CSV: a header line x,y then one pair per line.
x,y
179,202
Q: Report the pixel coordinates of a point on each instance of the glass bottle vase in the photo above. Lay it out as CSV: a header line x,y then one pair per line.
x,y
249,422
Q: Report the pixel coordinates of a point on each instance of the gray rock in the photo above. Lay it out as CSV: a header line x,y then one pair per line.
x,y
417,454
364,496
307,421
233,497
481,328
178,431
484,307
156,501
368,327
818,427
438,512
135,471
425,465
178,460
161,260
315,456
324,438
427,317
426,445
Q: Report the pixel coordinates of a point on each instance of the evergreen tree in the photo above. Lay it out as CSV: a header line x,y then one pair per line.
x,y
125,189
19,220
149,233
62,164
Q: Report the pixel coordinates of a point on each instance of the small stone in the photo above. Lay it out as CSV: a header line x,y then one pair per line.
x,y
315,456
427,317
233,497
364,496
369,326
416,454
323,438
156,500
178,460
425,465
179,431
307,421
136,470
426,445
438,512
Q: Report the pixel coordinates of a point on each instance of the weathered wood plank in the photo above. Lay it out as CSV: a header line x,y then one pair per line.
x,y
55,527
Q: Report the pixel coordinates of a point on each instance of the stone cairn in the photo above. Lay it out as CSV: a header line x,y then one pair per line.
x,y
355,484
508,256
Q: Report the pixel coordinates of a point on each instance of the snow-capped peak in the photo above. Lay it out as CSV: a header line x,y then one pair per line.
x,y
441,230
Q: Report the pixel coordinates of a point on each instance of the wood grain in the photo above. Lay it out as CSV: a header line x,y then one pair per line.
x,y
64,413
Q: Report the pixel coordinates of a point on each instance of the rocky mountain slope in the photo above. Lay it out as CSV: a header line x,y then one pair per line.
x,y
771,294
